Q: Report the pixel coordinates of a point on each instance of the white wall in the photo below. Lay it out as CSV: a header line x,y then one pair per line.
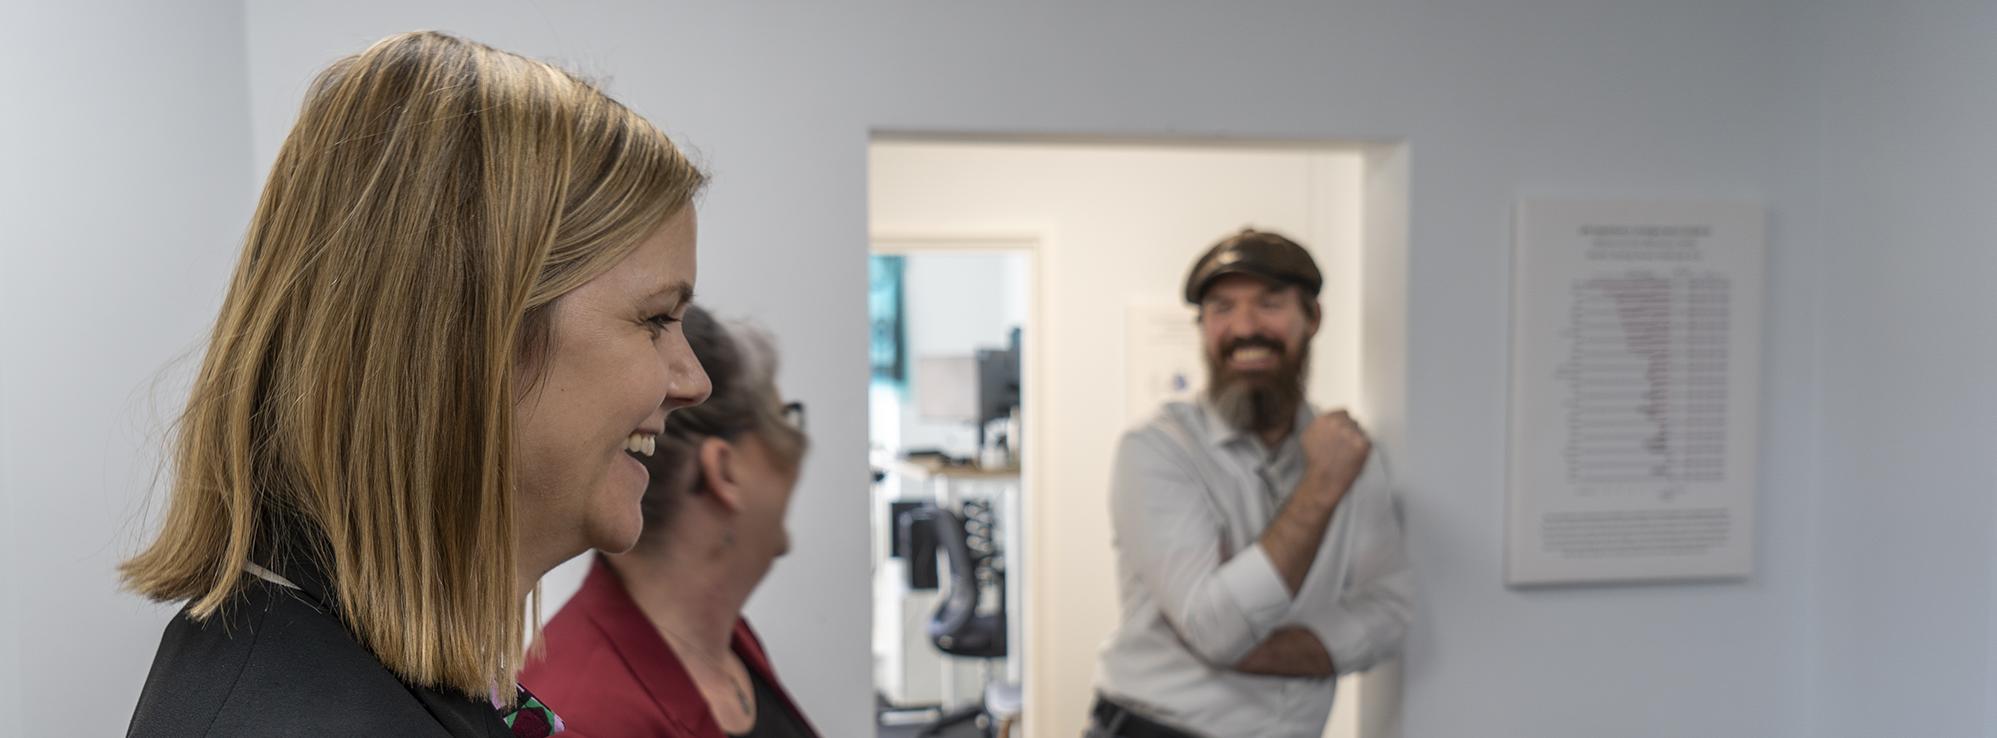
x,y
1905,110
124,197
1862,126
1115,226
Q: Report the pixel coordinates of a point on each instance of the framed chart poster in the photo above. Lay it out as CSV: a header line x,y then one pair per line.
x,y
1636,335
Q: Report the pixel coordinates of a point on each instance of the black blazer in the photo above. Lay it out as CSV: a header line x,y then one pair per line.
x,y
277,662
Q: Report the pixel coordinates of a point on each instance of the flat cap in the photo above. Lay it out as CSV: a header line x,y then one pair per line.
x,y
1255,253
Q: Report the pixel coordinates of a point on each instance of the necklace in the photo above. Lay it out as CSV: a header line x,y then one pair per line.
x,y
741,695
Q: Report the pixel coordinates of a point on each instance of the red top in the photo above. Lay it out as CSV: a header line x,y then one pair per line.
x,y
608,672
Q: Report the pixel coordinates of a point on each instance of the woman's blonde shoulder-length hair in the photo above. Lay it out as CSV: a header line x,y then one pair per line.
x,y
355,402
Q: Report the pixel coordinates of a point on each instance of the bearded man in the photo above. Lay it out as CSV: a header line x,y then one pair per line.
x,y
1259,552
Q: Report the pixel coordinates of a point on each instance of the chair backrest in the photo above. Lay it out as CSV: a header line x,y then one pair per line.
x,y
956,627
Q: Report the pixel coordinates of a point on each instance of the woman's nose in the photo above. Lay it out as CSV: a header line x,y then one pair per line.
x,y
687,384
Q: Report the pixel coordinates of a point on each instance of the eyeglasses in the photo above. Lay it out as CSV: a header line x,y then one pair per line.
x,y
793,413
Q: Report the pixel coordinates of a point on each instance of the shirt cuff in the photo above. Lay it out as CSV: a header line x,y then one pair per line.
x,y
1344,635
1251,578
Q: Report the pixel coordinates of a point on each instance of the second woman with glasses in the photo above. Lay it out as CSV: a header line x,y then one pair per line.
x,y
654,643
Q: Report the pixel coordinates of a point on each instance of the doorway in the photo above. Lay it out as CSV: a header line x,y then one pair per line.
x,y
950,320
1111,228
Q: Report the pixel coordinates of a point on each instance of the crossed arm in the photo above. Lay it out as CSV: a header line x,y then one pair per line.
x,y
1258,612
1289,652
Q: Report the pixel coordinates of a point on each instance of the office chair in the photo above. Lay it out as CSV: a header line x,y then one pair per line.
x,y
957,627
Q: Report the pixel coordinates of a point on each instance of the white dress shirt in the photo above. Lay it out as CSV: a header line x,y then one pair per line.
x,y
1189,499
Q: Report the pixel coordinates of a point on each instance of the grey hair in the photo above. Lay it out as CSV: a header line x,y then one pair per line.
x,y
759,354
741,364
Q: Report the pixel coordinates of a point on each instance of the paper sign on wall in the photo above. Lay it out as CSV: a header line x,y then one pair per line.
x,y
1162,359
1636,330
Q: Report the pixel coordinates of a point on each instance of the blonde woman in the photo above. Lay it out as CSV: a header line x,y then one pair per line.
x,y
451,334
654,644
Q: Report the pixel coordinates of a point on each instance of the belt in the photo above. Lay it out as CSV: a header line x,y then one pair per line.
x,y
1121,722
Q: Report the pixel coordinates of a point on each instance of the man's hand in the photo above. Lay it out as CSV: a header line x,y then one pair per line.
x,y
1335,451
1288,652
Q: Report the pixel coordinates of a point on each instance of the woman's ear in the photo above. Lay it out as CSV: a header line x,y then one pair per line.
x,y
717,472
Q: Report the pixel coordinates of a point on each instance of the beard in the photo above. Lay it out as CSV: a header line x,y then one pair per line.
x,y
1258,400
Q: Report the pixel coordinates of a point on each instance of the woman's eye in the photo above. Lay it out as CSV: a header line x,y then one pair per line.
x,y
661,322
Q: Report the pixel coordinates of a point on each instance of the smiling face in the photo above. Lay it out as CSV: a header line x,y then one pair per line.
x,y
1256,334
615,363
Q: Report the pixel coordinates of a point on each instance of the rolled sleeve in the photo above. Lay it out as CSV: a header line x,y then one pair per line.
x,y
1257,587
1363,617
1169,535
1363,632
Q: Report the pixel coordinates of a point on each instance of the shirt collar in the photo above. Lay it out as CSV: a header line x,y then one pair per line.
x,y
642,649
650,659
1221,434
